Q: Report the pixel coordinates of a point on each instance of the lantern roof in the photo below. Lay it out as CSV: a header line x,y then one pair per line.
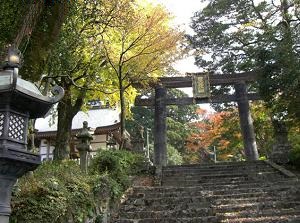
x,y
23,96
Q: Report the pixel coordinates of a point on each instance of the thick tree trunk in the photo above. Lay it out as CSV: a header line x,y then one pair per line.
x,y
66,113
64,128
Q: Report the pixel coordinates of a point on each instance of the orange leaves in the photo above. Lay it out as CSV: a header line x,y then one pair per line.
x,y
215,129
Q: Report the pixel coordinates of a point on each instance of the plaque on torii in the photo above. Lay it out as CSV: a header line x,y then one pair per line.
x,y
201,86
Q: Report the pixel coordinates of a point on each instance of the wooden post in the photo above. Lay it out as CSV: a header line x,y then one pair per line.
x,y
246,121
160,127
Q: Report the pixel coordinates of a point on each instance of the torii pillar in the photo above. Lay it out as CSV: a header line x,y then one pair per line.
x,y
246,121
160,127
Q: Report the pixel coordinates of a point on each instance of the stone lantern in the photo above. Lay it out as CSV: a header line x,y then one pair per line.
x,y
138,140
111,142
20,101
84,145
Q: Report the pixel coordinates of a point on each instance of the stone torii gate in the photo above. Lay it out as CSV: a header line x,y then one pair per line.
x,y
201,83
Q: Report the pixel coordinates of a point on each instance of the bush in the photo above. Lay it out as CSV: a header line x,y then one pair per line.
x,y
118,165
59,192
54,192
174,156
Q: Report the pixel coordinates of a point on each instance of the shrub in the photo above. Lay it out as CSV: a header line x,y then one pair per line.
x,y
59,192
174,156
56,191
118,165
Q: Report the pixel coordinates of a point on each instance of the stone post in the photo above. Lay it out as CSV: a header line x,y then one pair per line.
x,y
6,185
84,146
246,122
137,140
160,127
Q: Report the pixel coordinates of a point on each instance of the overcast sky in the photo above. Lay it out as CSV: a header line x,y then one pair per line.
x,y
183,10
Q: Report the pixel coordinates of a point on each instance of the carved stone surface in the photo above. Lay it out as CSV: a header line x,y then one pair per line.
x,y
138,145
280,153
282,148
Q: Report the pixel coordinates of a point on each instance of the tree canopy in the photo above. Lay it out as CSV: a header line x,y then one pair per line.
x,y
248,35
139,49
103,48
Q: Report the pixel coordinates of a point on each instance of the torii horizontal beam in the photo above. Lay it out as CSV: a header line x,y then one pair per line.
x,y
190,100
214,79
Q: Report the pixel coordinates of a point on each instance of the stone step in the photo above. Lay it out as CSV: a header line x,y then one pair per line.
x,y
194,191
195,172
184,213
225,180
260,175
260,213
267,219
272,190
164,207
218,165
208,219
193,182
214,199
245,195
222,186
149,202
256,206
239,201
224,192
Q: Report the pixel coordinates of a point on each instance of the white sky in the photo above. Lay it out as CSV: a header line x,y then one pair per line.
x,y
183,10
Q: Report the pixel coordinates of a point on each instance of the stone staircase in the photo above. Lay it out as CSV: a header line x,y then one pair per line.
x,y
257,191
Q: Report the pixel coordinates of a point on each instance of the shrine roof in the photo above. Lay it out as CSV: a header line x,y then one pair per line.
x,y
96,118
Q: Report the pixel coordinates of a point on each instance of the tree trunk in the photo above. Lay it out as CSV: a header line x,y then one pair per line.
x,y
64,128
66,113
122,117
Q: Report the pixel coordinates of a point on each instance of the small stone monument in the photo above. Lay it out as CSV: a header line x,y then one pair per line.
x,y
84,146
282,148
138,140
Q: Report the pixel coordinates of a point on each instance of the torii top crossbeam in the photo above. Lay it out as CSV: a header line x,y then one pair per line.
x,y
214,79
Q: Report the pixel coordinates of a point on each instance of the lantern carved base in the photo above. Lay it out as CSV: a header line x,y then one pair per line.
x,y
13,164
